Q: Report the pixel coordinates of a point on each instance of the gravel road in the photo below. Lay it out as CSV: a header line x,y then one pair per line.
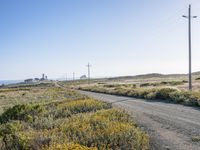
x,y
170,126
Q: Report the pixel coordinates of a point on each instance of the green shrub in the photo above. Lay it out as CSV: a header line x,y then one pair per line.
x,y
10,138
145,84
151,96
90,105
195,139
119,85
110,85
197,78
68,146
174,83
164,93
132,93
44,123
120,91
177,97
171,83
24,112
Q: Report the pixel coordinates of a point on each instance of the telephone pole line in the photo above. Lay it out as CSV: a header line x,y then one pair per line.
x,y
189,17
88,65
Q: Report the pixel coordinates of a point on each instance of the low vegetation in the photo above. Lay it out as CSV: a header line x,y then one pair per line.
x,y
197,78
164,83
31,85
196,139
119,85
166,94
63,119
22,95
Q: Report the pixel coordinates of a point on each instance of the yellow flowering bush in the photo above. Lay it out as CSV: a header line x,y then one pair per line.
x,y
68,146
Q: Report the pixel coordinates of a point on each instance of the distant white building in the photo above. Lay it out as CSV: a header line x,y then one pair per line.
x,y
36,79
28,81
83,77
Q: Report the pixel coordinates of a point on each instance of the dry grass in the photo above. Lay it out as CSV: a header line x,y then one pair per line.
x,y
13,96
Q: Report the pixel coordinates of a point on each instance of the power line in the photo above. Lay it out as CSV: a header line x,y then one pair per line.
x,y
189,17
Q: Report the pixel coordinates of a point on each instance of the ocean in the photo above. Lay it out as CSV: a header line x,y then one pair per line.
x,y
10,81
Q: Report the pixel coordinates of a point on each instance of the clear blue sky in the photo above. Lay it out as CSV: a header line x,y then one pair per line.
x,y
118,37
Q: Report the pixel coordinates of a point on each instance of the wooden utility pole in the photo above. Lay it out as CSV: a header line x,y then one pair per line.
x,y
190,45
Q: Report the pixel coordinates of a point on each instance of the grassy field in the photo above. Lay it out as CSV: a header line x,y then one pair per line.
x,y
13,95
53,118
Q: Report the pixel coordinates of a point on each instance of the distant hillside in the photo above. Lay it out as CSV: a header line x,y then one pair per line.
x,y
196,73
151,75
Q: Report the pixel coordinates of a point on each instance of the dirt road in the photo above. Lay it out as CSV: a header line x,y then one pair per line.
x,y
170,126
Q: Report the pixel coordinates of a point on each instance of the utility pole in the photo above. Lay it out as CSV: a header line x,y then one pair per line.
x,y
73,76
66,76
88,65
190,45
